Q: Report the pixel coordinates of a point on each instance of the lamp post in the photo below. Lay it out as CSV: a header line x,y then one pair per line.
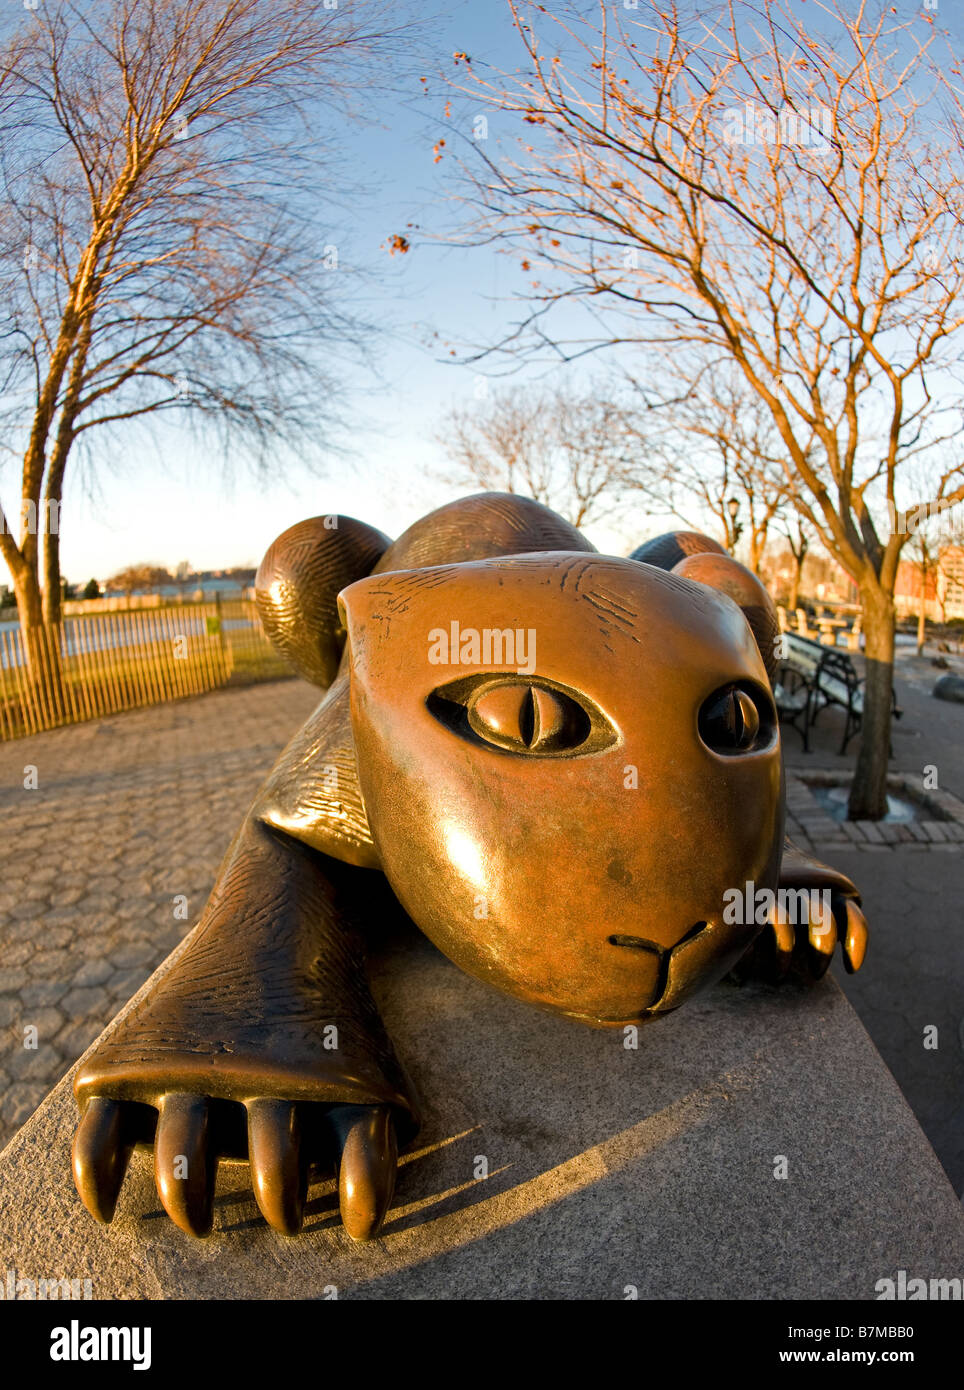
x,y
736,527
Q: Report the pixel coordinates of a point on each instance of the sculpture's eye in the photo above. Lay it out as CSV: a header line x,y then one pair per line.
x,y
734,720
522,716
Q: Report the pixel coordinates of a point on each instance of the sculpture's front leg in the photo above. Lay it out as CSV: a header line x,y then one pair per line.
x,y
816,908
263,1042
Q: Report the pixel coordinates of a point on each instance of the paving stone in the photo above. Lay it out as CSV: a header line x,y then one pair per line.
x,y
76,1037
55,937
44,873
40,994
64,916
17,953
67,897
24,911
92,947
78,1003
48,1022
32,891
9,1009
23,931
27,1064
871,832
47,963
93,972
133,953
97,905
69,881
125,984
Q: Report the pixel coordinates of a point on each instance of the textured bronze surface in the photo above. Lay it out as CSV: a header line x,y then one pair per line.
x,y
564,765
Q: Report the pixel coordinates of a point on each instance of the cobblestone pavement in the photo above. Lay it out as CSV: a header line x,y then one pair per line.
x,y
132,811
128,813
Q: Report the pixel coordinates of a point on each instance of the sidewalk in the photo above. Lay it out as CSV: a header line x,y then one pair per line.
x,y
914,899
128,814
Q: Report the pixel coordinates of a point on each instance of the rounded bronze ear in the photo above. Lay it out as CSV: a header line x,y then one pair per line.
x,y
297,585
728,576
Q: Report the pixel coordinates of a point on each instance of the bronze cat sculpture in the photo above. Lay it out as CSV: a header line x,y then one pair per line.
x,y
562,762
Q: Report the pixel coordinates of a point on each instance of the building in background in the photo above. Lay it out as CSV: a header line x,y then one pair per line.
x,y
942,586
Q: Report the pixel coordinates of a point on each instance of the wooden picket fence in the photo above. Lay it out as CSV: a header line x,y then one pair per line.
x,y
99,664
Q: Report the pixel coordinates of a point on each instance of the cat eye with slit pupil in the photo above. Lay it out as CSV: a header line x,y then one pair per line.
x,y
537,717
527,718
730,721
545,720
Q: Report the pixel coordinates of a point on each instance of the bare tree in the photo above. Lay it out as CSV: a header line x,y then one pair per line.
x,y
782,188
578,452
157,246
798,543
720,450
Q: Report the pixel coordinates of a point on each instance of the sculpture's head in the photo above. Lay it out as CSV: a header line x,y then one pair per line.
x,y
567,761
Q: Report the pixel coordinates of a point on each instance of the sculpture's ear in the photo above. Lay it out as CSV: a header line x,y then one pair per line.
x,y
727,575
296,585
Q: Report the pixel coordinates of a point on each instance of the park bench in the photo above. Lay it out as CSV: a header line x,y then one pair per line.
x,y
794,686
812,677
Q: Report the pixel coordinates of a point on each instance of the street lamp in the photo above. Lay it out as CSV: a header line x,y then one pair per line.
x,y
733,507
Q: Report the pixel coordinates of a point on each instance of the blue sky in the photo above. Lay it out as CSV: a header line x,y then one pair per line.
x,y
163,500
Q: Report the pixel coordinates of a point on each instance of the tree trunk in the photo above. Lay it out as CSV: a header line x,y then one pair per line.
x,y
868,792
795,583
41,646
53,590
921,628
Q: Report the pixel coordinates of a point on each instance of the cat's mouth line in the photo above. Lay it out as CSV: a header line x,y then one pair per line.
x,y
642,943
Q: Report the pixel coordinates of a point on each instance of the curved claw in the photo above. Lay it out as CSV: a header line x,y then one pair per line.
x,y
369,1153
279,1175
99,1156
784,939
821,939
854,936
183,1169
